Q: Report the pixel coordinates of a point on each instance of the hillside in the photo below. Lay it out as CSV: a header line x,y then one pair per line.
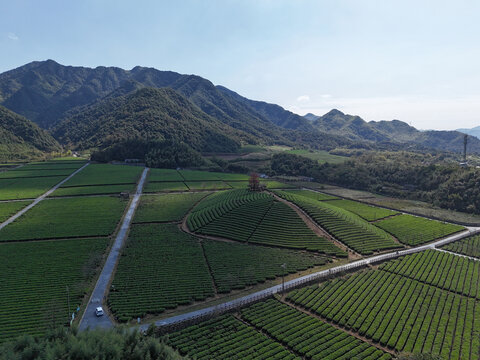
x,y
392,132
149,114
473,131
21,139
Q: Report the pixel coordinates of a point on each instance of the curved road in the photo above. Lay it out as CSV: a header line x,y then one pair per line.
x,y
221,308
89,319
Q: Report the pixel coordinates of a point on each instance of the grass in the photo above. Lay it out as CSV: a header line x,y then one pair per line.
x,y
167,207
63,218
320,156
105,174
35,275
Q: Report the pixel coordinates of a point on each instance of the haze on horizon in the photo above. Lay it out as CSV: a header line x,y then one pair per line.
x,y
412,61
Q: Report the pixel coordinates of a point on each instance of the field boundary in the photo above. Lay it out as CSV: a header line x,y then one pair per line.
x,y
41,197
180,321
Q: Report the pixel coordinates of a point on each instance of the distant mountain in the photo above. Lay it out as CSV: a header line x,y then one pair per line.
x,y
391,132
22,139
148,114
311,117
473,131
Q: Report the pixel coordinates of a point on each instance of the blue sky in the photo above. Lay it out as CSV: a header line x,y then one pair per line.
x,y
417,61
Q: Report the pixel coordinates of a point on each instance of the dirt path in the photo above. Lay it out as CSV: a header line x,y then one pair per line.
x,y
352,254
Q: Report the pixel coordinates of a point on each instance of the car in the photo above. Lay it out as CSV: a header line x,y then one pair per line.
x,y
99,311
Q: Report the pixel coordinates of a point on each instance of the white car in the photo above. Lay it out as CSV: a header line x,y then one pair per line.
x,y
99,311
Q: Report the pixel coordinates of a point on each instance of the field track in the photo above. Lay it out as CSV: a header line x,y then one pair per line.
x,y
40,198
89,320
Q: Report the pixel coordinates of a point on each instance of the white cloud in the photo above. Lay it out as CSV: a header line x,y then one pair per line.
x,y
325,96
12,36
303,98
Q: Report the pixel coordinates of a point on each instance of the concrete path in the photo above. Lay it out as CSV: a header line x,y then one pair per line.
x,y
41,197
289,285
89,319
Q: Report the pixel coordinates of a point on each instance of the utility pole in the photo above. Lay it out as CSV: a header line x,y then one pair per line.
x,y
68,299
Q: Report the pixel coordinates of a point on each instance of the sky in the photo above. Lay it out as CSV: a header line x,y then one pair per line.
x,y
416,61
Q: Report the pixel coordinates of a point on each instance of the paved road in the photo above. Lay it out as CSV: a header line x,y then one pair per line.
x,y
89,319
462,255
40,198
206,312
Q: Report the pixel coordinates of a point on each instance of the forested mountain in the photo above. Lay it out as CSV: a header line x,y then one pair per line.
x,y
395,132
148,114
21,139
473,131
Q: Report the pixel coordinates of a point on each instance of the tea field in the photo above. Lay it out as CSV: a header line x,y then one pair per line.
x,y
469,246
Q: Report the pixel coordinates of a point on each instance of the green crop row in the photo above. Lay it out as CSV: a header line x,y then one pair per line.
x,y
93,190
154,187
27,188
35,276
345,226
398,312
469,246
167,207
313,195
227,338
308,336
105,174
367,212
160,267
234,266
8,209
440,269
70,217
414,230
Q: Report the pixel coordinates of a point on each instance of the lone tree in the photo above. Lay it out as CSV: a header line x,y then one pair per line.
x,y
253,182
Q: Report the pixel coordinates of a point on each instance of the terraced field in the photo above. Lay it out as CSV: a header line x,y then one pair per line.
x,y
256,217
398,312
27,188
63,218
167,207
35,275
160,175
160,268
367,212
93,190
155,187
345,226
235,266
313,195
414,230
469,246
207,185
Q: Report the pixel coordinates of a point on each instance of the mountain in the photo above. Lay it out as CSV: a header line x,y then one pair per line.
x,y
311,117
148,114
473,131
391,132
22,139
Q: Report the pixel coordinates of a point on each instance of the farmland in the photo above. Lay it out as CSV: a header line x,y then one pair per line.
x,y
413,230
154,187
167,207
160,268
257,218
367,212
105,174
469,246
93,190
63,218
33,294
345,226
235,266
312,195
27,188
398,312
8,209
